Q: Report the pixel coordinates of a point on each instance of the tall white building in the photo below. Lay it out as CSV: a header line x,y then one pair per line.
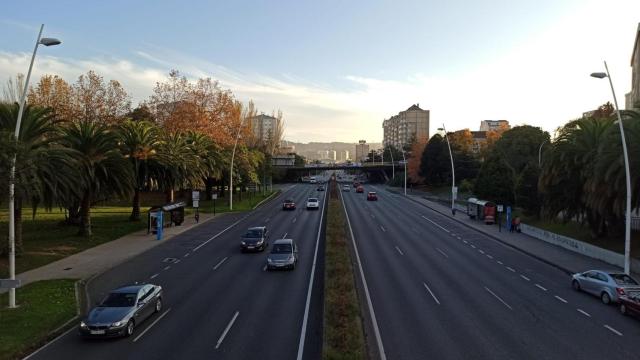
x,y
409,125
263,126
362,151
489,125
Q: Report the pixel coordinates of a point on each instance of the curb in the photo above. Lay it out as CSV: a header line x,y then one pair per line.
x,y
495,238
274,194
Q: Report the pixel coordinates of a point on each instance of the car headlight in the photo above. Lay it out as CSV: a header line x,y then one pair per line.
x,y
291,259
243,243
269,260
116,324
83,325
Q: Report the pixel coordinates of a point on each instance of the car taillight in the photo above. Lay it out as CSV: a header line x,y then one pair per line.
x,y
620,291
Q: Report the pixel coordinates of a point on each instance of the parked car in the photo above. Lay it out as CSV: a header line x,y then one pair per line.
x,y
255,239
346,188
313,204
320,188
360,189
630,303
608,285
283,255
372,196
122,310
289,205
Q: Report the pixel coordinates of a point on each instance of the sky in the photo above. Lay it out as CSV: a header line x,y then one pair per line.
x,y
337,69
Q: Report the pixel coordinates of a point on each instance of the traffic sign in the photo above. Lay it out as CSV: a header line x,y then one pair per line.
x,y
10,284
500,208
195,195
196,203
214,196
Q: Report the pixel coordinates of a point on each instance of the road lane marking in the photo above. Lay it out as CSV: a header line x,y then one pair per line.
x,y
510,269
399,251
524,277
499,298
431,292
541,287
167,267
442,252
152,324
226,330
481,251
264,268
221,232
383,229
489,256
613,330
434,223
372,216
267,220
153,276
465,241
186,255
305,319
584,312
473,246
220,263
284,236
499,262
51,342
294,220
561,299
374,321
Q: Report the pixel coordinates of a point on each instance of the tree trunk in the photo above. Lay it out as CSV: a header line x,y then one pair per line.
x,y
17,211
85,215
74,214
135,211
169,196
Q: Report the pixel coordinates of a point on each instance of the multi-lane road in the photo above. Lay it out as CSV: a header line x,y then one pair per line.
x,y
218,302
435,290
440,290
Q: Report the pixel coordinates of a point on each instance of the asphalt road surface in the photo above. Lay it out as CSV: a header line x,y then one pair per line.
x,y
218,302
440,290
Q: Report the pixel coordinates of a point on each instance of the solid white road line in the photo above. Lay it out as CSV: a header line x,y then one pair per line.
x,y
51,342
305,319
524,277
167,267
152,324
221,232
510,269
541,287
383,229
584,312
226,330
399,251
374,322
153,276
434,223
220,263
561,299
442,252
613,330
431,292
499,298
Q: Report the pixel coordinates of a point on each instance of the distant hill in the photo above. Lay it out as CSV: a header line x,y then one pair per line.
x,y
309,149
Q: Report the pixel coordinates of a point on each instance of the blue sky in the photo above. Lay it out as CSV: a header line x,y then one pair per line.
x,y
338,68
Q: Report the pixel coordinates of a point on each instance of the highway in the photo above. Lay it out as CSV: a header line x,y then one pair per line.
x,y
218,302
440,290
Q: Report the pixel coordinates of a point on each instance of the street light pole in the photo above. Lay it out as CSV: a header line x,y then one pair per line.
x,y
453,173
540,154
627,228
233,154
405,172
393,165
12,174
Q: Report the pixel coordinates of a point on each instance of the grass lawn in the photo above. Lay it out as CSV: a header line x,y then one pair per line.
x,y
43,307
222,204
46,240
343,328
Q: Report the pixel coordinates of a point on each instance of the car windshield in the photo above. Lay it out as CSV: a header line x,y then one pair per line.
x,y
623,279
288,201
120,300
313,200
253,233
281,249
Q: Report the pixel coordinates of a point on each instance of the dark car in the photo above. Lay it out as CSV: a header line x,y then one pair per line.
x,y
360,189
372,196
289,205
283,255
255,239
630,303
122,310
320,188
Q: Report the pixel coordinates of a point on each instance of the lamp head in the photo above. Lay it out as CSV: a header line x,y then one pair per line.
x,y
50,41
599,75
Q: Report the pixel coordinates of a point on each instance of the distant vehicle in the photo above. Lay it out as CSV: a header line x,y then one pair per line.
x,y
255,239
289,205
313,180
346,188
372,196
121,311
356,184
360,189
283,255
313,204
320,188
630,303
608,285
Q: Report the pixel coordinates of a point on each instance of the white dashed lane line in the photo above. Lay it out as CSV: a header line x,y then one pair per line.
x,y
481,251
399,251
510,269
167,267
613,330
383,229
561,299
499,298
431,292
489,256
541,287
442,252
152,324
220,263
584,312
499,262
187,255
524,277
473,246
226,330
153,276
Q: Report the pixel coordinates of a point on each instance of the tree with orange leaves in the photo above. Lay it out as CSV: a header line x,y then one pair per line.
x,y
413,163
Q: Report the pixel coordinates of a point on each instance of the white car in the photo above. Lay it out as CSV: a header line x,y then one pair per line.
x,y
346,188
313,204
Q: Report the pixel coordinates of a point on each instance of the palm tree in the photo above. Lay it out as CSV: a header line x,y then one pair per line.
x,y
101,168
180,166
138,143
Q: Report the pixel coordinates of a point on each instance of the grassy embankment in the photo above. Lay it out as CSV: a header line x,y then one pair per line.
x,y
343,327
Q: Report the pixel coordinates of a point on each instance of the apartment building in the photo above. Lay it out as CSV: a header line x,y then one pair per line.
x,y
489,125
362,151
409,125
263,126
632,99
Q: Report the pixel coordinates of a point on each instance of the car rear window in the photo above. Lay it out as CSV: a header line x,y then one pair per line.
x,y
120,300
281,249
623,279
313,200
253,234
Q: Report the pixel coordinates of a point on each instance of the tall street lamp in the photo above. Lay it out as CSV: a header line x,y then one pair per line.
x,y
393,165
453,172
540,154
233,154
404,159
12,220
627,228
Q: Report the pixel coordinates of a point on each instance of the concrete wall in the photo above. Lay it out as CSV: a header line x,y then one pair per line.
x,y
580,247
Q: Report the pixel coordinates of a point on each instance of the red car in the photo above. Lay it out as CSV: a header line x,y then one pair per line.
x,y
359,189
288,205
372,196
630,303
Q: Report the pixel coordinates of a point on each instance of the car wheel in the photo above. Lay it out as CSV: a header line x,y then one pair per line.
x,y
623,309
575,285
606,299
158,305
129,330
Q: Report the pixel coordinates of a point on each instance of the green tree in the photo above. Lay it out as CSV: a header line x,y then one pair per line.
x,y
435,165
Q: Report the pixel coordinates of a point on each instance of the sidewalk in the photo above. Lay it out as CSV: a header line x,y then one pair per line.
x,y
558,257
98,259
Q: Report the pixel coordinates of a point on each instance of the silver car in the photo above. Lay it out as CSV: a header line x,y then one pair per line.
x,y
283,255
608,285
122,310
